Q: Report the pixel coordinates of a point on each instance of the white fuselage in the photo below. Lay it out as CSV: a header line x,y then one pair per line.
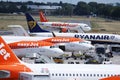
x,y
21,49
111,38
76,71
45,50
72,26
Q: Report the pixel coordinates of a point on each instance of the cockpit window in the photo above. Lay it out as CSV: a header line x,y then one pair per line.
x,y
86,26
85,42
52,46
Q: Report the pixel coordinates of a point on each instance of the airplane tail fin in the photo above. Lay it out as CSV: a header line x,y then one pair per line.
x,y
6,54
18,30
33,25
42,17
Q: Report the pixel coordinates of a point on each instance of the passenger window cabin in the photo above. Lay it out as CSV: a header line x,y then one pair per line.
x,y
83,75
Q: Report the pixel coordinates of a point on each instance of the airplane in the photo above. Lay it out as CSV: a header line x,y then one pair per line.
x,y
80,27
21,48
62,26
95,38
64,43
11,67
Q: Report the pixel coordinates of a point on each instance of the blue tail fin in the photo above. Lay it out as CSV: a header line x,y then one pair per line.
x,y
33,25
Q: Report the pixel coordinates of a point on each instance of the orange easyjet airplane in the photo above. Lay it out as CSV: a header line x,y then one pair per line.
x,y
80,27
42,47
64,43
11,66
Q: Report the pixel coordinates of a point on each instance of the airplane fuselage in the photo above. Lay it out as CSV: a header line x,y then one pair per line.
x,y
47,51
64,71
77,71
95,38
69,44
71,26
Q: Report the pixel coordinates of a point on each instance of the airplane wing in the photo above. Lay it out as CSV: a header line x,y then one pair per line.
x,y
4,74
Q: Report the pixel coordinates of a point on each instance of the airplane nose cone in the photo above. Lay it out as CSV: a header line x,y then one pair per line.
x,y
88,46
58,51
92,47
88,28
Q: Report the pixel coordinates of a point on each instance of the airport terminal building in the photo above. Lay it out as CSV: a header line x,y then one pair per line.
x,y
47,9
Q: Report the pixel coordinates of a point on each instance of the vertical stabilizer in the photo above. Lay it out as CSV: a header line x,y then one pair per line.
x,y
6,54
33,25
18,30
42,17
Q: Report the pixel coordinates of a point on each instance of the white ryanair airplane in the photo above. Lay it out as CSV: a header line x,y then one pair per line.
x,y
11,67
99,38
95,38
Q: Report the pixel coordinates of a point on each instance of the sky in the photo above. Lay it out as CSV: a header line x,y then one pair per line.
x,y
70,1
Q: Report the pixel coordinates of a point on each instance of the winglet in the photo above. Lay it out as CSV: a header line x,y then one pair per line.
x,y
42,17
33,25
6,54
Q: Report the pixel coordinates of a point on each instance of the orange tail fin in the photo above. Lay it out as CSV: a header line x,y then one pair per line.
x,y
42,17
6,54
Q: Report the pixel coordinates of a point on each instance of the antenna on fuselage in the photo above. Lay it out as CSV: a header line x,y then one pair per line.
x,y
53,34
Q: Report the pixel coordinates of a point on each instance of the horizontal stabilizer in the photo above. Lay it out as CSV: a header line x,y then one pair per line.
x,y
18,30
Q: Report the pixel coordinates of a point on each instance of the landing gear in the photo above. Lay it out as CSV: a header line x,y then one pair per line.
x,y
73,56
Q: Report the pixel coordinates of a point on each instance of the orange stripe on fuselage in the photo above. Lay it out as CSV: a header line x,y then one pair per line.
x,y
29,44
63,40
64,25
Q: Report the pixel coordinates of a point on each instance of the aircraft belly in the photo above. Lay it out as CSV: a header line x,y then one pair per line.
x,y
74,78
